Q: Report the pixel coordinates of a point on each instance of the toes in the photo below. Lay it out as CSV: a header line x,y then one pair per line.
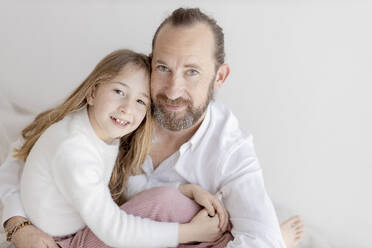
x,y
294,219
292,231
299,234
291,221
297,223
300,227
298,238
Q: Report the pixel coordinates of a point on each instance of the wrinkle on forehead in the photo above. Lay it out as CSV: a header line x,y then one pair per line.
x,y
189,44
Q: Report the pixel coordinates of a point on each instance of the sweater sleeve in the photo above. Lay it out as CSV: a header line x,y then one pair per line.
x,y
10,173
79,175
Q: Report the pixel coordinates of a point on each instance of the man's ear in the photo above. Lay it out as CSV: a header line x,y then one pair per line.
x,y
91,95
221,75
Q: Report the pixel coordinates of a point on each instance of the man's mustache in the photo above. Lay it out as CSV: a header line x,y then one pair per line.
x,y
179,101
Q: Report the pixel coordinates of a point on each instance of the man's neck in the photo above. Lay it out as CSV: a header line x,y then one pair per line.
x,y
168,142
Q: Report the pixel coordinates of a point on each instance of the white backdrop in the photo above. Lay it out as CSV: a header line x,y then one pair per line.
x,y
300,82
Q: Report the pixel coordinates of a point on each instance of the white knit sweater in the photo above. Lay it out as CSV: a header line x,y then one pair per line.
x,y
64,187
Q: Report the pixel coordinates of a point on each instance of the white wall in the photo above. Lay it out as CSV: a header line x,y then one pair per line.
x,y
300,82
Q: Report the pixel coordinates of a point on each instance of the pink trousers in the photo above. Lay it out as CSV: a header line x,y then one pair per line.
x,y
159,204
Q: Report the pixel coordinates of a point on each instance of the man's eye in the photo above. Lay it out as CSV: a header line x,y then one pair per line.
x,y
162,68
119,92
192,72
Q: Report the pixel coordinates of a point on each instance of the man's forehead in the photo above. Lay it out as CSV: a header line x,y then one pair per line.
x,y
185,32
188,42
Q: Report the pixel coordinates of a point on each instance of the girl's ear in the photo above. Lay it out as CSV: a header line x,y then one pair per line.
x,y
91,96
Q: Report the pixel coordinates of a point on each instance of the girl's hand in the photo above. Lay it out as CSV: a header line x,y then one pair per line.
x,y
30,236
202,228
210,202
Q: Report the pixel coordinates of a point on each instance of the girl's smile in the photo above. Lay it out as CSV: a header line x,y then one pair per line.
x,y
118,106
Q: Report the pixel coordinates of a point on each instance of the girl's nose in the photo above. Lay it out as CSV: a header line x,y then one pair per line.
x,y
126,107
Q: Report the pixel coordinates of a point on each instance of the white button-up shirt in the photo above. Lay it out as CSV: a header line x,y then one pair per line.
x,y
221,158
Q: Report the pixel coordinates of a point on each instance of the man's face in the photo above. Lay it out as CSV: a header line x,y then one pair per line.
x,y
183,75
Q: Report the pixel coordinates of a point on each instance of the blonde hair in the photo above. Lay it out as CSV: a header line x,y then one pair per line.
x,y
134,147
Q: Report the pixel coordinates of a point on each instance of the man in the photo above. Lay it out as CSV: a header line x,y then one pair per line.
x,y
197,140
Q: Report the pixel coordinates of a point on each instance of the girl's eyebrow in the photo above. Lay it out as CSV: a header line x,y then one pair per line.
x,y
123,84
126,86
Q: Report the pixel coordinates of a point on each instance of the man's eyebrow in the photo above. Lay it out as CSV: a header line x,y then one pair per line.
x,y
145,95
193,66
187,65
160,62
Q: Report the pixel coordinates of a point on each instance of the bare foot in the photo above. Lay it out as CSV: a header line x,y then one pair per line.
x,y
292,231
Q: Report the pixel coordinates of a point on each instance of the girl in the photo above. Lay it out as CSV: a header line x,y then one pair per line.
x,y
79,155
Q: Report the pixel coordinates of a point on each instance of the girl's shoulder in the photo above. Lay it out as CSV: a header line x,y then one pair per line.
x,y
70,132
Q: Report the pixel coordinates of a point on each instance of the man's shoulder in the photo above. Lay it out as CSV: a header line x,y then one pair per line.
x,y
234,143
225,126
225,150
222,136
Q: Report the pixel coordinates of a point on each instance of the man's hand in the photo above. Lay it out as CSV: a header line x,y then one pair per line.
x,y
210,202
29,236
204,228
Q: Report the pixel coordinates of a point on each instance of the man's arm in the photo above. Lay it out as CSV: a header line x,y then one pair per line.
x,y
254,221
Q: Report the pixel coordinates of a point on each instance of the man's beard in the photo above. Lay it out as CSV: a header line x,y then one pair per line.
x,y
169,120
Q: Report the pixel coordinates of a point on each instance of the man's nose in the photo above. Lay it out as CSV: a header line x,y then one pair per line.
x,y
175,87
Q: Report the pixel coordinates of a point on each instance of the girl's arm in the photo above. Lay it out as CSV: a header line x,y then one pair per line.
x,y
79,177
210,202
13,212
10,174
79,174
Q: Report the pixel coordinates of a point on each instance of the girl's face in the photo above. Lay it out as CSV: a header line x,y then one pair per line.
x,y
117,107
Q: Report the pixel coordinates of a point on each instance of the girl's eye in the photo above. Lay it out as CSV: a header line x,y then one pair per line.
x,y
192,72
119,92
162,68
141,102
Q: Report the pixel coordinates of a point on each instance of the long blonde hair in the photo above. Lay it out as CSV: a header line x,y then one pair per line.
x,y
134,147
